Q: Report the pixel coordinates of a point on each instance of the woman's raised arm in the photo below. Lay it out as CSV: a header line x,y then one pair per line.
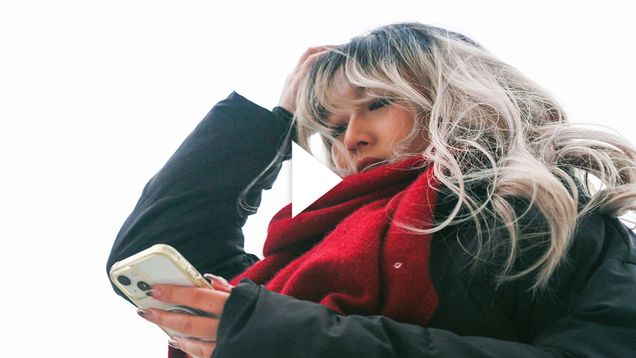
x,y
191,203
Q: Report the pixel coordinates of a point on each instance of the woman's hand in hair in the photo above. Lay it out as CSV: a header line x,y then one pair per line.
x,y
199,330
290,89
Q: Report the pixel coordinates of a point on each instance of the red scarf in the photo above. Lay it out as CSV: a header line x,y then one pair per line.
x,y
346,251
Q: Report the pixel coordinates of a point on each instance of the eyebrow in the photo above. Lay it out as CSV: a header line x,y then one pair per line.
x,y
331,125
362,102
362,99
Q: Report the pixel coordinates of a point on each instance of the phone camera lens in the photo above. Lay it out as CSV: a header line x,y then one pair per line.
x,y
123,280
143,286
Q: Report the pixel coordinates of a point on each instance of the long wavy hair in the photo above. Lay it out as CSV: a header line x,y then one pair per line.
x,y
486,124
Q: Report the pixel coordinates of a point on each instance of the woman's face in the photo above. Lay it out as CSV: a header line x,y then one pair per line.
x,y
369,132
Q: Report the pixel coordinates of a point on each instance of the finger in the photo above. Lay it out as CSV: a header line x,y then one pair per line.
x,y
312,51
193,347
218,282
301,71
304,68
185,325
202,298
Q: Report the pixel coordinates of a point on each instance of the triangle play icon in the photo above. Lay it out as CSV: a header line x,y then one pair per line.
x,y
310,179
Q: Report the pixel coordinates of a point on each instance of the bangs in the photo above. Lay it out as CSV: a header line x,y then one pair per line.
x,y
337,93
348,76
392,62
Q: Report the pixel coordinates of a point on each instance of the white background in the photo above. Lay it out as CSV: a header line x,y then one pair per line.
x,y
95,96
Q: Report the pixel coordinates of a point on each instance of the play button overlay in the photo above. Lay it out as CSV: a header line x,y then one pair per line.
x,y
310,179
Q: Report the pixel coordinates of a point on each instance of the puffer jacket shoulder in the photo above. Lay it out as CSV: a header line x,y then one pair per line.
x,y
586,309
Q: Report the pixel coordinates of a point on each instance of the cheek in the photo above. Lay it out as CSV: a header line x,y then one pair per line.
x,y
397,125
398,130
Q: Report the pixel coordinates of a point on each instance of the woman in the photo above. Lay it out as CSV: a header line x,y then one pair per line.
x,y
464,226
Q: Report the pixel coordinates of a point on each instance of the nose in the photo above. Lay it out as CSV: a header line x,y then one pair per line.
x,y
358,134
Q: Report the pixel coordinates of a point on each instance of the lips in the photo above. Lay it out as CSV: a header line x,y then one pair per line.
x,y
365,162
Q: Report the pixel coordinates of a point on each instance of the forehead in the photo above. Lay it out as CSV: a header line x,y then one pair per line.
x,y
339,87
340,95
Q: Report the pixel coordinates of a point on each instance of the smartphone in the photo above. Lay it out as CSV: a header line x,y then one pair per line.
x,y
159,264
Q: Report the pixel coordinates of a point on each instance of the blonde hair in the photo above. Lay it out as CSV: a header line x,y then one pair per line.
x,y
486,124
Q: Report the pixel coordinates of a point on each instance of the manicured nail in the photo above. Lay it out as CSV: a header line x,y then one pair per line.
x,y
218,279
173,343
144,313
154,292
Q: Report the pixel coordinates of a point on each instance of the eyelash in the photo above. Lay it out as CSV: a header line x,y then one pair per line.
x,y
337,131
375,105
379,103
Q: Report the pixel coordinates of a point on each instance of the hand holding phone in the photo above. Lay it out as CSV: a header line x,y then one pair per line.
x,y
172,294
159,264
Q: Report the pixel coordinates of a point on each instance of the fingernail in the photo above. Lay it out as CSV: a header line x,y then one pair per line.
x,y
144,313
173,343
218,279
154,292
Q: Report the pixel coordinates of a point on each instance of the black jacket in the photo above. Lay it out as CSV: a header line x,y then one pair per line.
x,y
190,204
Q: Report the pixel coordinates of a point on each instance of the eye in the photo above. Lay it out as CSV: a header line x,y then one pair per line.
x,y
379,103
337,131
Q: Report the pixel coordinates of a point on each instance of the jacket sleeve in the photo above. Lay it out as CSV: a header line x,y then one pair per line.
x,y
191,203
600,321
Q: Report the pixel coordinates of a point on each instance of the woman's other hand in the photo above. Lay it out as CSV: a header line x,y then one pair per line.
x,y
290,89
199,330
